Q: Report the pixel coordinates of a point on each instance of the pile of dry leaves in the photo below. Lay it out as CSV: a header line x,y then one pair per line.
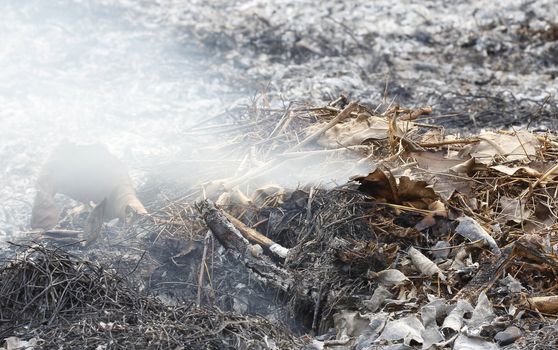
x,y
426,240
446,241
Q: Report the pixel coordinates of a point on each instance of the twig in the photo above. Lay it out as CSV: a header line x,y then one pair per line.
x,y
449,142
202,266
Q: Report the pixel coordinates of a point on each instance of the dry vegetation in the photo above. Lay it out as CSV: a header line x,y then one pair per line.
x,y
449,237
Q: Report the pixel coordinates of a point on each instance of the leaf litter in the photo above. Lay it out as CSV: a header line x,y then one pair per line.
x,y
386,258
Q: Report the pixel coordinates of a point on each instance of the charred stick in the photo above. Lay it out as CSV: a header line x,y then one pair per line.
x,y
254,236
262,266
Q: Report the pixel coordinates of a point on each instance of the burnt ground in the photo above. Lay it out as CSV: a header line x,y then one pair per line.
x,y
478,64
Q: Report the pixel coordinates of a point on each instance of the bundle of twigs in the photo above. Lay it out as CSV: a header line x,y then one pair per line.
x,y
66,302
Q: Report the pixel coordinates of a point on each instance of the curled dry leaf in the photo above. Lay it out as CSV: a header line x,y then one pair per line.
x,y
445,175
545,304
438,162
382,185
441,250
389,277
379,184
377,299
407,329
464,342
349,324
543,218
454,321
431,334
473,231
15,343
425,265
412,191
438,209
482,317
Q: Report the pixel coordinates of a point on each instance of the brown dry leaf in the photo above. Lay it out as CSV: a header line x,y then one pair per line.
x,y
445,175
86,173
388,278
512,209
438,162
358,130
438,209
382,185
233,198
447,185
520,146
263,196
434,135
416,194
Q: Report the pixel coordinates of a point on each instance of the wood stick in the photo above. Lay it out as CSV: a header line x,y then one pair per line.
x,y
544,304
448,142
346,112
254,236
263,267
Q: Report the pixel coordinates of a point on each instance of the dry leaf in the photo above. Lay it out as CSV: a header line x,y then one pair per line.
x,y
438,209
454,321
382,185
445,175
483,314
438,162
543,218
356,131
412,191
520,146
508,170
349,324
86,173
512,209
377,299
389,277
425,265
464,342
431,335
407,329
473,231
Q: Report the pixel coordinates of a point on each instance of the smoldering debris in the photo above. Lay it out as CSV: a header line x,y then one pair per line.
x,y
422,252
60,300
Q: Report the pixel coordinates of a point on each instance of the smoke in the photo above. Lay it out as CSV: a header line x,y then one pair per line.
x,y
106,71
89,72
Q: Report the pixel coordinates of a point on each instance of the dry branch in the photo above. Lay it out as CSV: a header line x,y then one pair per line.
x,y
256,237
269,273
